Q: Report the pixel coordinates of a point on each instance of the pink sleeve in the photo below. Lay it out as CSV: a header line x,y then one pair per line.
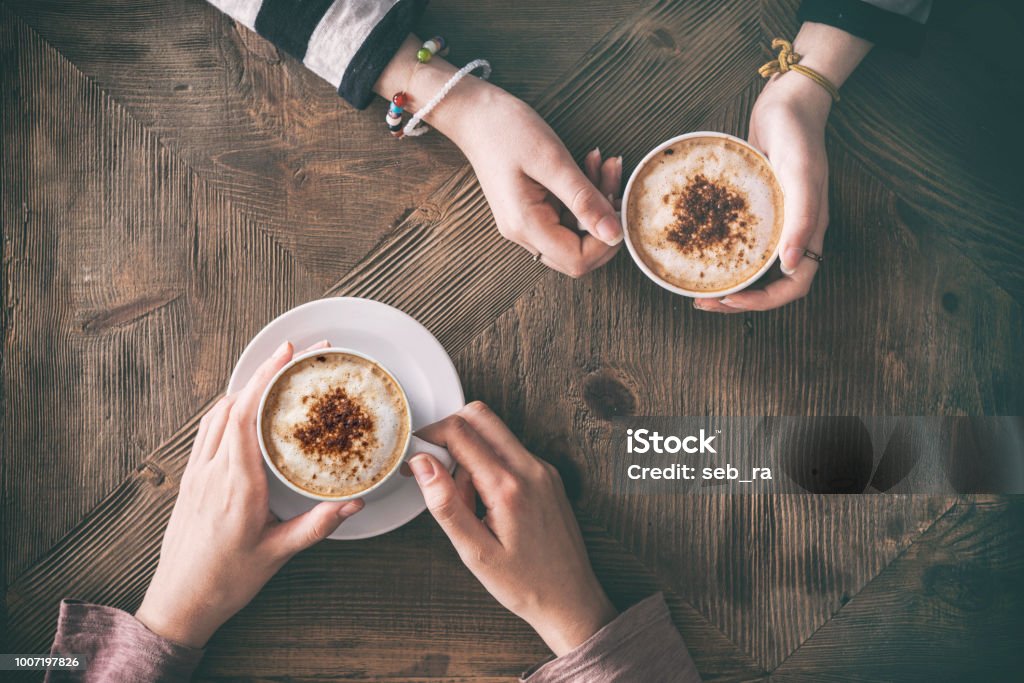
x,y
641,644
117,647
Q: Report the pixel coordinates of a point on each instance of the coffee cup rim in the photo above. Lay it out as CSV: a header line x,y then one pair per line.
x,y
633,252
263,447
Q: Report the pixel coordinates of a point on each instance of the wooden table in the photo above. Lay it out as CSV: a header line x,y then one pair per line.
x,y
171,182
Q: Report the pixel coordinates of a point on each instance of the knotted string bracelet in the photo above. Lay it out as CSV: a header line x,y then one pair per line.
x,y
789,61
413,127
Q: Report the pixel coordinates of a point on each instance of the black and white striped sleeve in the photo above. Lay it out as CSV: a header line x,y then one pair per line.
x,y
346,42
899,24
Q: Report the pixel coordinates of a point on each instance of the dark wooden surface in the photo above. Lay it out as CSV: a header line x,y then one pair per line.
x,y
171,183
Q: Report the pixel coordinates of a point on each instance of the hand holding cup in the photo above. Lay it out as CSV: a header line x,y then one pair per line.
x,y
222,543
527,550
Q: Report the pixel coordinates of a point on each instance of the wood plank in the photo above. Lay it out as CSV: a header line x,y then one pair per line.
x,y
950,608
267,134
499,279
628,580
928,331
572,354
276,140
130,287
61,571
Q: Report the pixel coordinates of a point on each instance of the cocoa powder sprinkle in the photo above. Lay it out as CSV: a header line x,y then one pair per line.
x,y
709,215
337,426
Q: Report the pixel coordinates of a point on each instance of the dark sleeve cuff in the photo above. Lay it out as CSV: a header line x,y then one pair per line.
x,y
876,25
117,647
641,644
378,49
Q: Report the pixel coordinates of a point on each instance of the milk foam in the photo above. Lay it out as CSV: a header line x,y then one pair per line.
x,y
650,214
287,410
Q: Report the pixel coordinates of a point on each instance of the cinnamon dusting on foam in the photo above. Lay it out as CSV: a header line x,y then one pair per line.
x,y
709,215
337,427
705,213
335,424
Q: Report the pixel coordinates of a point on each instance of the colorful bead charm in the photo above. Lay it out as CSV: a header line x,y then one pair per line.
x,y
436,45
393,119
396,109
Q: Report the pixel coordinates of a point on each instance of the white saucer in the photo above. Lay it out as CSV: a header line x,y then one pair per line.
x,y
399,343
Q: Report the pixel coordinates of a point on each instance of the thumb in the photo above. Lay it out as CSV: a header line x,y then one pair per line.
x,y
803,203
458,521
311,527
594,213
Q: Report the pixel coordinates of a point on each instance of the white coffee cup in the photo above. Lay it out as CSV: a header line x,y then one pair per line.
x,y
633,251
413,444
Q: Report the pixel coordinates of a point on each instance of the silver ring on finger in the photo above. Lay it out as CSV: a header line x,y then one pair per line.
x,y
814,256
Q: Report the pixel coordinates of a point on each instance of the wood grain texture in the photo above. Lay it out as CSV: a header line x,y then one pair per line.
x,y
131,287
768,571
274,138
167,192
461,232
268,135
928,127
957,587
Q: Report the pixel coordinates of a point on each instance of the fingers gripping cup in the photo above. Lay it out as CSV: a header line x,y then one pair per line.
x,y
703,214
334,425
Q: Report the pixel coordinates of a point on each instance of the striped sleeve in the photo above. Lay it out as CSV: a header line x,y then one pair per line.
x,y
346,42
898,24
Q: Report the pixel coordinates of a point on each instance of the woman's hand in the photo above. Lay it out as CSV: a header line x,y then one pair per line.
x,y
540,198
527,550
222,542
788,125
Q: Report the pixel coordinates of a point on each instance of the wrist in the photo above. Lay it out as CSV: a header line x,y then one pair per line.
x,y
830,51
460,114
165,624
453,114
795,90
564,633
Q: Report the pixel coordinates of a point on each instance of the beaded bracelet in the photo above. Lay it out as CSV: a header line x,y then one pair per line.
x,y
413,127
393,119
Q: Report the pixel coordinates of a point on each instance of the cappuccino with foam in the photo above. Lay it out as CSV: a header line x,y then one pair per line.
x,y
335,424
703,214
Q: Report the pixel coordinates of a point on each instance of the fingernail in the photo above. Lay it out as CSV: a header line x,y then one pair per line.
x,y
609,230
726,301
698,304
350,508
790,259
422,469
282,350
